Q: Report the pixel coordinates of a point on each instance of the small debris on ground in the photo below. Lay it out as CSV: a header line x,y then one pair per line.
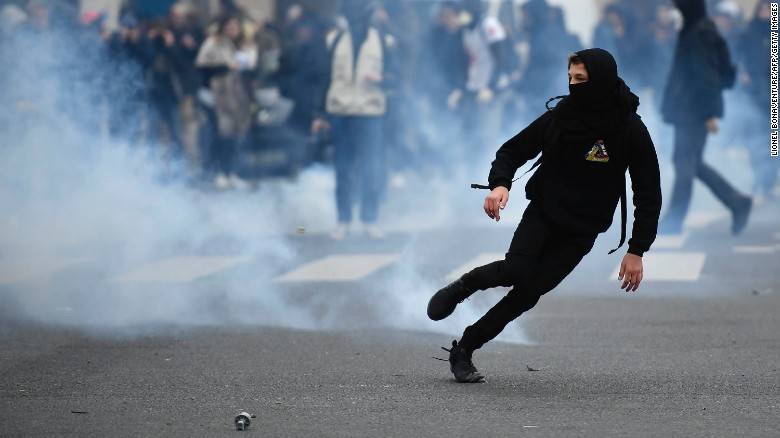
x,y
243,420
532,369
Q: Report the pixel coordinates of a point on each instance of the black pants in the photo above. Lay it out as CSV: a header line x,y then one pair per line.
x,y
689,141
539,258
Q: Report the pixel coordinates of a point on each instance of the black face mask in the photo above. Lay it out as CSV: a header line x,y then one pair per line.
x,y
585,94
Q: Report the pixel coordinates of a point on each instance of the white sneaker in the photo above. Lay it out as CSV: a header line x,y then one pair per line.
x,y
340,232
374,232
221,181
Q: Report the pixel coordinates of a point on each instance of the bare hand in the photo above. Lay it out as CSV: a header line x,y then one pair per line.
x,y
454,99
631,272
712,125
374,78
319,125
188,41
169,38
485,95
496,201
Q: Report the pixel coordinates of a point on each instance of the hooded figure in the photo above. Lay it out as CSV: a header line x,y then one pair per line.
x,y
693,12
586,143
599,113
701,69
693,103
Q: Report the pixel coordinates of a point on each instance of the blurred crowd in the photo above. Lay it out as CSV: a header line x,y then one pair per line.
x,y
440,82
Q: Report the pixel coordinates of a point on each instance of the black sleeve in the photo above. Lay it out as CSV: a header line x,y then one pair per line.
x,y
708,56
517,151
320,72
646,185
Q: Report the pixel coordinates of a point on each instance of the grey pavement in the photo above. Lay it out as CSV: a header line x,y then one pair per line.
x,y
695,356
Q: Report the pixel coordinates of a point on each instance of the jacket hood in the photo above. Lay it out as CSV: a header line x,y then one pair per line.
x,y
692,11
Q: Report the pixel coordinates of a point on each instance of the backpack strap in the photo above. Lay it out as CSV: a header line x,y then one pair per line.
x,y
623,194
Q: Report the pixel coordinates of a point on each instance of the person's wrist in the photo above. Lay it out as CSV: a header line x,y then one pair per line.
x,y
635,251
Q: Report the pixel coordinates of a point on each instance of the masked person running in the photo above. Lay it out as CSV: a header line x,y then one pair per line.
x,y
587,142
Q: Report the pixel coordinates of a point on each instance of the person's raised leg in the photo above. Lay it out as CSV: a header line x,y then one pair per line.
x,y
527,243
559,257
372,172
688,145
344,164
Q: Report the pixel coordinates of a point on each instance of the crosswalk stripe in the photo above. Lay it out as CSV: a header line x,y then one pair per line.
x,y
670,241
342,267
179,269
670,266
30,270
755,249
701,219
479,260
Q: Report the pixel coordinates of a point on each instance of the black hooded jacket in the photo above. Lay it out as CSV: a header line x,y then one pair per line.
x,y
587,142
701,69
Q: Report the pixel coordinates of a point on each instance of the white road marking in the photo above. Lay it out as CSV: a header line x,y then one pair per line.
x,y
701,219
670,241
31,270
479,260
344,267
179,269
670,266
755,249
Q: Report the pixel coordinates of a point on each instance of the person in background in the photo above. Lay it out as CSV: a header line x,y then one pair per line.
x,y
304,65
356,104
609,30
446,65
221,59
693,104
188,37
663,35
728,20
128,60
753,46
487,75
163,125
586,144
547,36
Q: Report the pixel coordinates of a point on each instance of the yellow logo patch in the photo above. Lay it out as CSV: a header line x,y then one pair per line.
x,y
598,153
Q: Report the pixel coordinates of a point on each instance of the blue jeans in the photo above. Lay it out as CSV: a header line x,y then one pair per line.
x,y
359,162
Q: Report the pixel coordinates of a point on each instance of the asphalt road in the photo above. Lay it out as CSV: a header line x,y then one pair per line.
x,y
694,355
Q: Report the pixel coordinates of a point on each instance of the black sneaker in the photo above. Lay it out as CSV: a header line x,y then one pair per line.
x,y
461,365
740,215
443,302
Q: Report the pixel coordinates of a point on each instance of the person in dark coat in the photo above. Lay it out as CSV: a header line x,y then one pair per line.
x,y
754,44
587,143
693,103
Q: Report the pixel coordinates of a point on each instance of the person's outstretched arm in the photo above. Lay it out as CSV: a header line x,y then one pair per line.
x,y
646,185
510,156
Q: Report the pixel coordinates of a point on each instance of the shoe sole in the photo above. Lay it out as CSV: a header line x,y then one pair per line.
x,y
443,314
471,378
435,302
